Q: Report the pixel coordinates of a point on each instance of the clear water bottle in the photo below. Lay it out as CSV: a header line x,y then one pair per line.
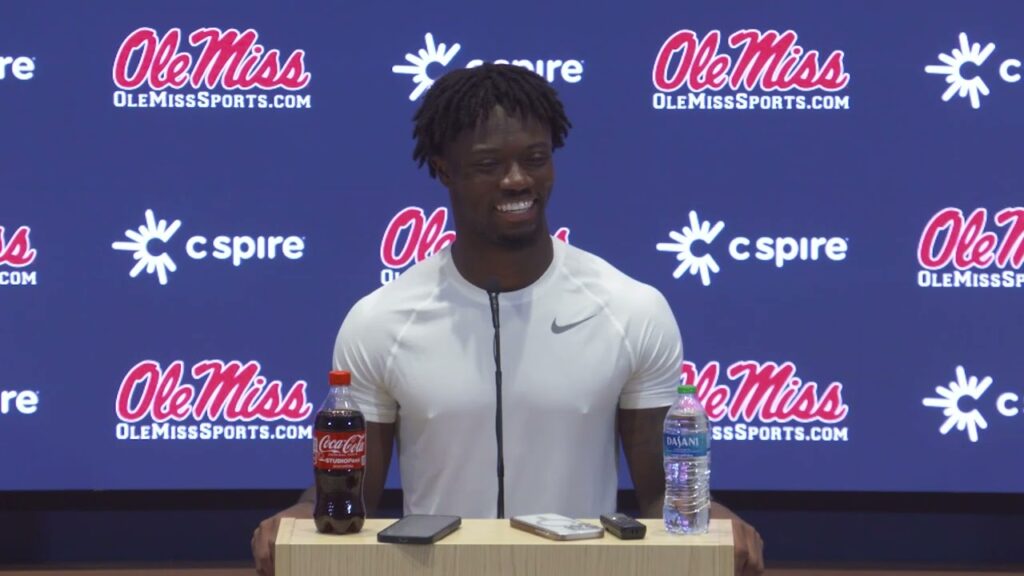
x,y
687,465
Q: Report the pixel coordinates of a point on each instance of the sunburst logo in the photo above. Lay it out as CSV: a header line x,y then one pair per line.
x,y
950,399
952,68
139,244
419,63
682,245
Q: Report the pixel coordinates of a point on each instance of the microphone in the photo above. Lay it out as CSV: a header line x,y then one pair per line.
x,y
492,294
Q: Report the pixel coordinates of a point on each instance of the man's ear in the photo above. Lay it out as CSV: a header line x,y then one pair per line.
x,y
441,168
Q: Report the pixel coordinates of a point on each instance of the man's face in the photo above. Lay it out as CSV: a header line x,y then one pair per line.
x,y
499,175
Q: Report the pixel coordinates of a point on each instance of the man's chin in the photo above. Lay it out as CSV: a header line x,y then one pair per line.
x,y
520,240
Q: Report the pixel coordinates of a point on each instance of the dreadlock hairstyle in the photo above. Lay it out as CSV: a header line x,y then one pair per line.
x,y
460,99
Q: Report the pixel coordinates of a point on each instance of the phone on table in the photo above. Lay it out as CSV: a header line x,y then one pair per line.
x,y
419,529
557,527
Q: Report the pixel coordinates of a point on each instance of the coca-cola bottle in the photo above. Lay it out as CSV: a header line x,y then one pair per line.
x,y
339,457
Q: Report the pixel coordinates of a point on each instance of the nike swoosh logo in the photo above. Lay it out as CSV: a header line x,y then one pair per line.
x,y
556,329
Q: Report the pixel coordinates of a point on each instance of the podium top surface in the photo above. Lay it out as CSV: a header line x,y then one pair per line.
x,y
302,532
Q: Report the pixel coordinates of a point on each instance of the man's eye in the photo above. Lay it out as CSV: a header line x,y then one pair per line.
x,y
538,160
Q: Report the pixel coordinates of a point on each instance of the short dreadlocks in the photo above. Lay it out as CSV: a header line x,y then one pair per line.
x,y
464,97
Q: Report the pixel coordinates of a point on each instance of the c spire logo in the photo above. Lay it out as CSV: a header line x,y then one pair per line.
x,y
967,82
778,250
161,263
238,249
952,66
419,64
421,61
949,399
961,402
697,231
18,67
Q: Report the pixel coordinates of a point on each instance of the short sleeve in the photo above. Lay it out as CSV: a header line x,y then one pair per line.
x,y
653,335
362,347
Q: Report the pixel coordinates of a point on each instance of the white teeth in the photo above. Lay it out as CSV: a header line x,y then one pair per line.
x,y
515,206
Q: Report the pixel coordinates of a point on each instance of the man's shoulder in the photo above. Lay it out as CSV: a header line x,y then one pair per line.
x,y
605,280
394,300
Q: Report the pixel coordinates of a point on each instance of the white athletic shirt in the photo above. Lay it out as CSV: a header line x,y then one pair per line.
x,y
580,342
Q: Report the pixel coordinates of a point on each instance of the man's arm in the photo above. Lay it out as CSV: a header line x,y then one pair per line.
x,y
641,432
380,439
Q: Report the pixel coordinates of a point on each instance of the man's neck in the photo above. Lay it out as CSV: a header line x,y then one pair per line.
x,y
504,269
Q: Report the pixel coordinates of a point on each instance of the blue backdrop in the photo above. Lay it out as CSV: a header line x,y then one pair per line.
x,y
195,193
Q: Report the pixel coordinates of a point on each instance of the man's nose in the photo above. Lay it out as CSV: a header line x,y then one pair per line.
x,y
515,178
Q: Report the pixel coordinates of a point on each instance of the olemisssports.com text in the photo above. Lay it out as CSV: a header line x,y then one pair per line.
x,y
209,431
779,433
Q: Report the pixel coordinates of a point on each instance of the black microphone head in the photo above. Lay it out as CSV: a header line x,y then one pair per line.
x,y
493,288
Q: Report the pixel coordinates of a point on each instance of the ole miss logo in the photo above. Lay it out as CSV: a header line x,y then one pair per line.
x,y
748,69
229,59
975,250
16,253
413,236
209,68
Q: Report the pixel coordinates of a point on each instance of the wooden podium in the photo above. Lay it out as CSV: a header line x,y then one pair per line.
x,y
492,547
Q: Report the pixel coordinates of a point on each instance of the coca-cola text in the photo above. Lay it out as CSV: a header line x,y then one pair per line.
x,y
339,450
342,444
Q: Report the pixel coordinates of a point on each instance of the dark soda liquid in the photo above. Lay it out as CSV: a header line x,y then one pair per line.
x,y
339,505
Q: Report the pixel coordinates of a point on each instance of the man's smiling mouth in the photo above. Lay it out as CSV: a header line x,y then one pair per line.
x,y
516,206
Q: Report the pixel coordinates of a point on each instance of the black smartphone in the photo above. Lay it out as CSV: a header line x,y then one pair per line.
x,y
419,529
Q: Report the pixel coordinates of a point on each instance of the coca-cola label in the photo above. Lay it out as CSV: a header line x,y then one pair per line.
x,y
207,68
961,250
749,70
339,450
689,443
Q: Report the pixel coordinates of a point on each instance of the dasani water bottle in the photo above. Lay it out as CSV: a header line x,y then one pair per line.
x,y
687,465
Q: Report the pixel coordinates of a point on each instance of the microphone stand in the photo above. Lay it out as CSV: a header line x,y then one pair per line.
x,y
493,296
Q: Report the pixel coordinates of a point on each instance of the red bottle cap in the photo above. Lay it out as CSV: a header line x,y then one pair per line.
x,y
340,378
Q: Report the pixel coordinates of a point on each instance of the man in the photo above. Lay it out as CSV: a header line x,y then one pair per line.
x,y
587,354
